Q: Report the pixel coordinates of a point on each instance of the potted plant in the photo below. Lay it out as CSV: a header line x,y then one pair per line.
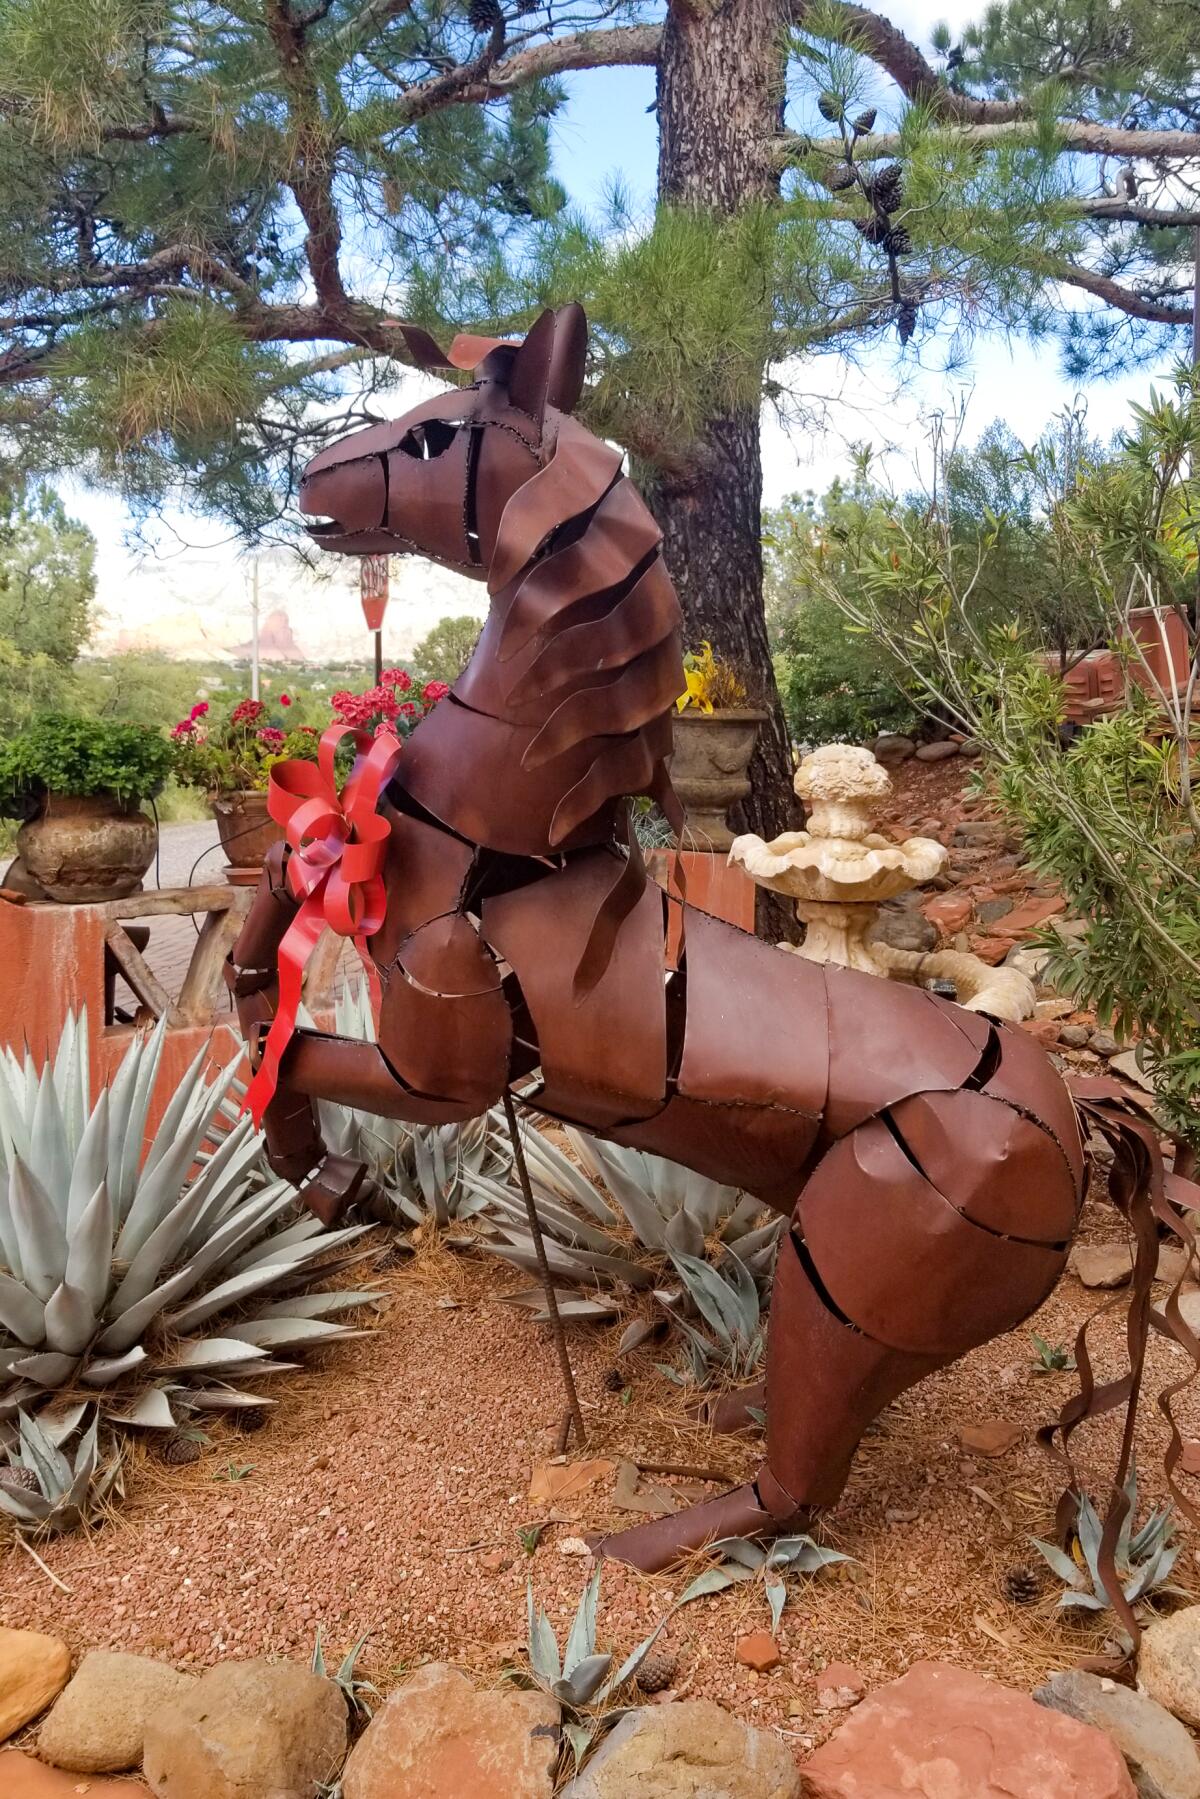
x,y
230,758
79,784
715,729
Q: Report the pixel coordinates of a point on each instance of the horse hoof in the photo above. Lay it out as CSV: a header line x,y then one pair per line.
x,y
334,1187
659,1544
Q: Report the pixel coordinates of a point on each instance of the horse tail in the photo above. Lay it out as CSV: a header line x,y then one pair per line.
x,y
1147,1195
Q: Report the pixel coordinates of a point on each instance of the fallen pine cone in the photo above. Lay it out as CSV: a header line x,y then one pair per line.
x,y
1021,1586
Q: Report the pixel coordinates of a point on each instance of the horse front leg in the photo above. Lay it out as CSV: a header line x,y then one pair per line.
x,y
296,1149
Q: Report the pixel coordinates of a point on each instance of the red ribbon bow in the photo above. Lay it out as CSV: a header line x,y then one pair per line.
x,y
338,843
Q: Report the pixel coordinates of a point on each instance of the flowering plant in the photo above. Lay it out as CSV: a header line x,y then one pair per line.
x,y
236,752
711,682
397,704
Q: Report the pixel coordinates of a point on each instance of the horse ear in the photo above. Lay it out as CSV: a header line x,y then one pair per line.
x,y
548,367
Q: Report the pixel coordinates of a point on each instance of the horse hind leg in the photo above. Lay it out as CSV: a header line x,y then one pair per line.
x,y
882,1279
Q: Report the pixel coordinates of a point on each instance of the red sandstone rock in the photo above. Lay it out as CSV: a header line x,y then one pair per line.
x,y
1033,911
943,1731
839,1686
23,1778
437,1738
759,1651
949,911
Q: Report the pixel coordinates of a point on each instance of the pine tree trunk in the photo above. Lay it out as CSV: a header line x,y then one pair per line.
x,y
720,86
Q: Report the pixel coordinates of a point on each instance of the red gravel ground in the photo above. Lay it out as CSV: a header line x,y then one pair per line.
x,y
388,1474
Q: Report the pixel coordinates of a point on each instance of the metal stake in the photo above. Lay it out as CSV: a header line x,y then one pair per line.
x,y
539,1250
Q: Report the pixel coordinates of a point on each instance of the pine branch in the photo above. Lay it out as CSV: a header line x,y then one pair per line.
x,y
888,47
1138,306
1130,212
1084,136
311,176
368,20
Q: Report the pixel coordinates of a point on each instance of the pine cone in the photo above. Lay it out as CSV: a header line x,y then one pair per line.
x,y
896,241
1021,1586
251,1418
865,121
830,107
841,178
887,188
484,15
19,1480
615,1381
657,1672
179,1451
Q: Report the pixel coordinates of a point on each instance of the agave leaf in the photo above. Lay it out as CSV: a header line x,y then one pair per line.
x,y
102,1371
48,1370
742,1219
564,1224
21,1313
58,1426
549,1167
210,1352
150,1411
639,1209
125,1331
1087,1602
1091,1532
582,1641
776,1599
1059,1562
322,1305
120,1098
155,1199
70,1320
637,1333
226,1399
39,1453
131,1140
41,1241
190,1090
580,1687
89,1252
157,1251
1153,1574
713,1580
740,1550
543,1645
290,1333
803,1555
683,1235
29,1509
713,1298
48,1158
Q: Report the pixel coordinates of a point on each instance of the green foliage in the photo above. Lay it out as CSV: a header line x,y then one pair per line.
x,y
235,750
1112,817
444,652
47,579
1144,1558
60,754
739,1561
47,1492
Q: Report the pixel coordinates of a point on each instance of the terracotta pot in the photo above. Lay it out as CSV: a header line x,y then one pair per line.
x,y
247,832
708,769
93,847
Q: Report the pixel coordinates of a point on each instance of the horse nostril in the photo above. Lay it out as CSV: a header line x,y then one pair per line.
x,y
352,493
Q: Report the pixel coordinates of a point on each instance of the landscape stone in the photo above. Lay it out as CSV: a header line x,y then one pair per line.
x,y
1160,1754
892,746
936,752
1169,1663
759,1651
1126,1065
436,1737
247,1730
689,1749
948,911
991,910
21,1777
1075,1036
947,1733
98,1722
904,927
1101,1264
33,1671
1104,1043
839,1686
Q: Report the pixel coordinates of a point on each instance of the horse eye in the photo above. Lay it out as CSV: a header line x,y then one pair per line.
x,y
426,441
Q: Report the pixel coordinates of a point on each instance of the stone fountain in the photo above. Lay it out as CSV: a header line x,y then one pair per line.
x,y
840,870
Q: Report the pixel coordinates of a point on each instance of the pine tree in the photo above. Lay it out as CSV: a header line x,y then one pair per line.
x,y
211,218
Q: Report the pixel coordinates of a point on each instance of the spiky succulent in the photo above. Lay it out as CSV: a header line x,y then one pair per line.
x,y
44,1490
420,1172
741,1560
113,1267
1144,1558
645,1224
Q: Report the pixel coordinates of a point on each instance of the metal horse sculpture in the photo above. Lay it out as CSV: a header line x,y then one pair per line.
x,y
929,1161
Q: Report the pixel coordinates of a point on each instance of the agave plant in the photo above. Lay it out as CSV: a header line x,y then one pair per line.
x,y
44,1490
421,1173
741,1560
1144,1558
113,1267
643,1223
354,1688
578,1676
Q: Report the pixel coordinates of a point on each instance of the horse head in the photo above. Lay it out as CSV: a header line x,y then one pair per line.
x,y
435,482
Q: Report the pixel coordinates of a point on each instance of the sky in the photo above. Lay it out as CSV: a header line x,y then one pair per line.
x,y
193,591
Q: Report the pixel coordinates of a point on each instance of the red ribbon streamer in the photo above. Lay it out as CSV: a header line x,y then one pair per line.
x,y
338,843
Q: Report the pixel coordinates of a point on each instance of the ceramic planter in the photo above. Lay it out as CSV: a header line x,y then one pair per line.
x,y
86,848
247,832
708,769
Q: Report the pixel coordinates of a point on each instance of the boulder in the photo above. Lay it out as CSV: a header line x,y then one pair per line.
x,y
1160,1754
436,1737
247,1730
1101,1264
943,1730
1169,1663
33,1671
936,752
690,1749
98,1722
23,1778
891,747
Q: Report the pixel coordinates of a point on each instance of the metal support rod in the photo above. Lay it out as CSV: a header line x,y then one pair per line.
x,y
539,1250
378,657
254,660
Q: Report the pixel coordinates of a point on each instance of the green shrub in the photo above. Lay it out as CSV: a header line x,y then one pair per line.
x,y
63,754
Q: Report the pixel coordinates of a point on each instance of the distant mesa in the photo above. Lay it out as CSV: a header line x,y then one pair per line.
x,y
276,641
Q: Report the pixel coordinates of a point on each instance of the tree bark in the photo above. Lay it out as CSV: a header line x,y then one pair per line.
x,y
722,67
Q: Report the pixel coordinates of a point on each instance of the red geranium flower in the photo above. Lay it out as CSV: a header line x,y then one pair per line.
x,y
285,699
271,736
433,691
246,712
